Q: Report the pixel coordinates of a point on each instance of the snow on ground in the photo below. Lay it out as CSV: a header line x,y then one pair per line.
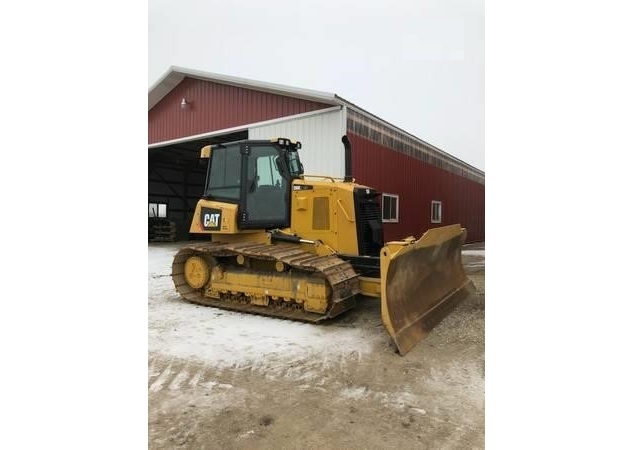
x,y
229,339
226,339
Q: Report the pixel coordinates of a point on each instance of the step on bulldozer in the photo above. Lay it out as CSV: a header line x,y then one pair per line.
x,y
304,247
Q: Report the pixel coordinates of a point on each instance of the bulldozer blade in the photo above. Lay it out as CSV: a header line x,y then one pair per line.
x,y
421,282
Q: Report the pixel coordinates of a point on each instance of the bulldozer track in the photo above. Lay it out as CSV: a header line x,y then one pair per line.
x,y
339,274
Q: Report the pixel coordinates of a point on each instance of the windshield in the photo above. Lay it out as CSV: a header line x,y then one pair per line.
x,y
266,196
224,173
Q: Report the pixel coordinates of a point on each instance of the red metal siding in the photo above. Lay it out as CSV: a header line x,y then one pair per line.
x,y
214,106
417,184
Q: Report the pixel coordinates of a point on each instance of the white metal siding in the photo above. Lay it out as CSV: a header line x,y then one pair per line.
x,y
322,150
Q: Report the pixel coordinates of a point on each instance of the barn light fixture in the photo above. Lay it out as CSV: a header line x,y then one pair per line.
x,y
184,104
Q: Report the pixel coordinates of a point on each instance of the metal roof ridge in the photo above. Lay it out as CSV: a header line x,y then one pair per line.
x,y
406,133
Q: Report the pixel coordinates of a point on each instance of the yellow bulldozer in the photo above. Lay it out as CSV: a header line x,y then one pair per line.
x,y
305,247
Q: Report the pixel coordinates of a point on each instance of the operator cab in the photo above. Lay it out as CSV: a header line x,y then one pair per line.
x,y
256,175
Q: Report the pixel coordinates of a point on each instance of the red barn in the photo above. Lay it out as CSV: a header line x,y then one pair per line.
x,y
423,187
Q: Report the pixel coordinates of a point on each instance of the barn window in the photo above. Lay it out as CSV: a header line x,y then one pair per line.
x,y
157,210
436,211
390,207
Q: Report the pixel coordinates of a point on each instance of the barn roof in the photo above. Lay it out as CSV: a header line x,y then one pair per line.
x,y
175,75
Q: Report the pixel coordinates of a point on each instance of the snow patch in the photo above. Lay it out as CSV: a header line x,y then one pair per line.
x,y
354,393
246,434
473,252
401,400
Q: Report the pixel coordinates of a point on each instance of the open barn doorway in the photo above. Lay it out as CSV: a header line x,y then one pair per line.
x,y
176,183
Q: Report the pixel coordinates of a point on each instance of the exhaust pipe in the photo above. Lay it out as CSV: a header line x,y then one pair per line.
x,y
348,176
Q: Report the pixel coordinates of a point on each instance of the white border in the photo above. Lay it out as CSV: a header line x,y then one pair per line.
x,y
437,202
397,219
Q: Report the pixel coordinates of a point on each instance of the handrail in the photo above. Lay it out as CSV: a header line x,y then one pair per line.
x,y
333,180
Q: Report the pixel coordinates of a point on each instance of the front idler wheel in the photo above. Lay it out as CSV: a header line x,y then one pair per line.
x,y
197,272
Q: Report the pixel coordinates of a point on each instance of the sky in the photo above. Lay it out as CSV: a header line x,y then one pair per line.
x,y
416,64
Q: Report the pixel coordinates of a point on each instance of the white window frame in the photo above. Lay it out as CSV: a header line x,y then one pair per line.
x,y
156,206
397,215
436,218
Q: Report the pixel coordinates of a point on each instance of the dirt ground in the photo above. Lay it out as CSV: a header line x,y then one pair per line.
x,y
223,380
